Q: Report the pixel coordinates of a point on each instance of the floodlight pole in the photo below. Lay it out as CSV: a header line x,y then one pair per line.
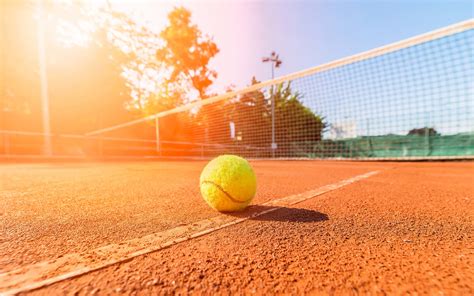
x,y
273,113
43,81
275,62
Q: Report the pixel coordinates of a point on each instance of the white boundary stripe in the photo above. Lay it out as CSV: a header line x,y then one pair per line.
x,y
34,276
436,34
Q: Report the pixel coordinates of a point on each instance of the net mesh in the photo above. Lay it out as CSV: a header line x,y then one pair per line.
x,y
410,99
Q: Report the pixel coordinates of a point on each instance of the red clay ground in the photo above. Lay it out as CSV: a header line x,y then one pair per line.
x,y
407,229
54,209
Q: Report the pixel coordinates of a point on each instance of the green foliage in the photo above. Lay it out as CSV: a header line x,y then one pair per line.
x,y
293,121
187,52
252,118
296,126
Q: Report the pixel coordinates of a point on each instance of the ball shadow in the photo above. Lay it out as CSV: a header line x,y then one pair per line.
x,y
280,214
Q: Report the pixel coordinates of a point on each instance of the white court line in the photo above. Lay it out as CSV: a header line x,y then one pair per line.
x,y
46,273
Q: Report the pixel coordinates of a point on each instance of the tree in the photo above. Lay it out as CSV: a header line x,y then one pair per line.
x,y
251,115
19,83
96,59
90,93
187,53
297,127
184,56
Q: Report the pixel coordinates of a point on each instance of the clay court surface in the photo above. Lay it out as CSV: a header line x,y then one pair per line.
x,y
325,227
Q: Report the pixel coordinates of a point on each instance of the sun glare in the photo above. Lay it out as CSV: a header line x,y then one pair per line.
x,y
70,34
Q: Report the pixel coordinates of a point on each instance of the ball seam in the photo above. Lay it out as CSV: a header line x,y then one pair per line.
x,y
223,191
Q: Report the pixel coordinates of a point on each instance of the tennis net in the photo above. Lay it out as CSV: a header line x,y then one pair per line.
x,y
410,99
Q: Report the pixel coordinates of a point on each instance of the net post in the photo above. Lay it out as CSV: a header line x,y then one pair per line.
x,y
274,147
157,135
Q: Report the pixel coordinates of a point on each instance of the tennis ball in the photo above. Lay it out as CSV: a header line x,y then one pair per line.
x,y
228,183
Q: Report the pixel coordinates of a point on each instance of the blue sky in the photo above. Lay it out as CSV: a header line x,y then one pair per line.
x,y
308,33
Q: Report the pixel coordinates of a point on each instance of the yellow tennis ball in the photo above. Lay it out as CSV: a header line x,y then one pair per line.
x,y
228,183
